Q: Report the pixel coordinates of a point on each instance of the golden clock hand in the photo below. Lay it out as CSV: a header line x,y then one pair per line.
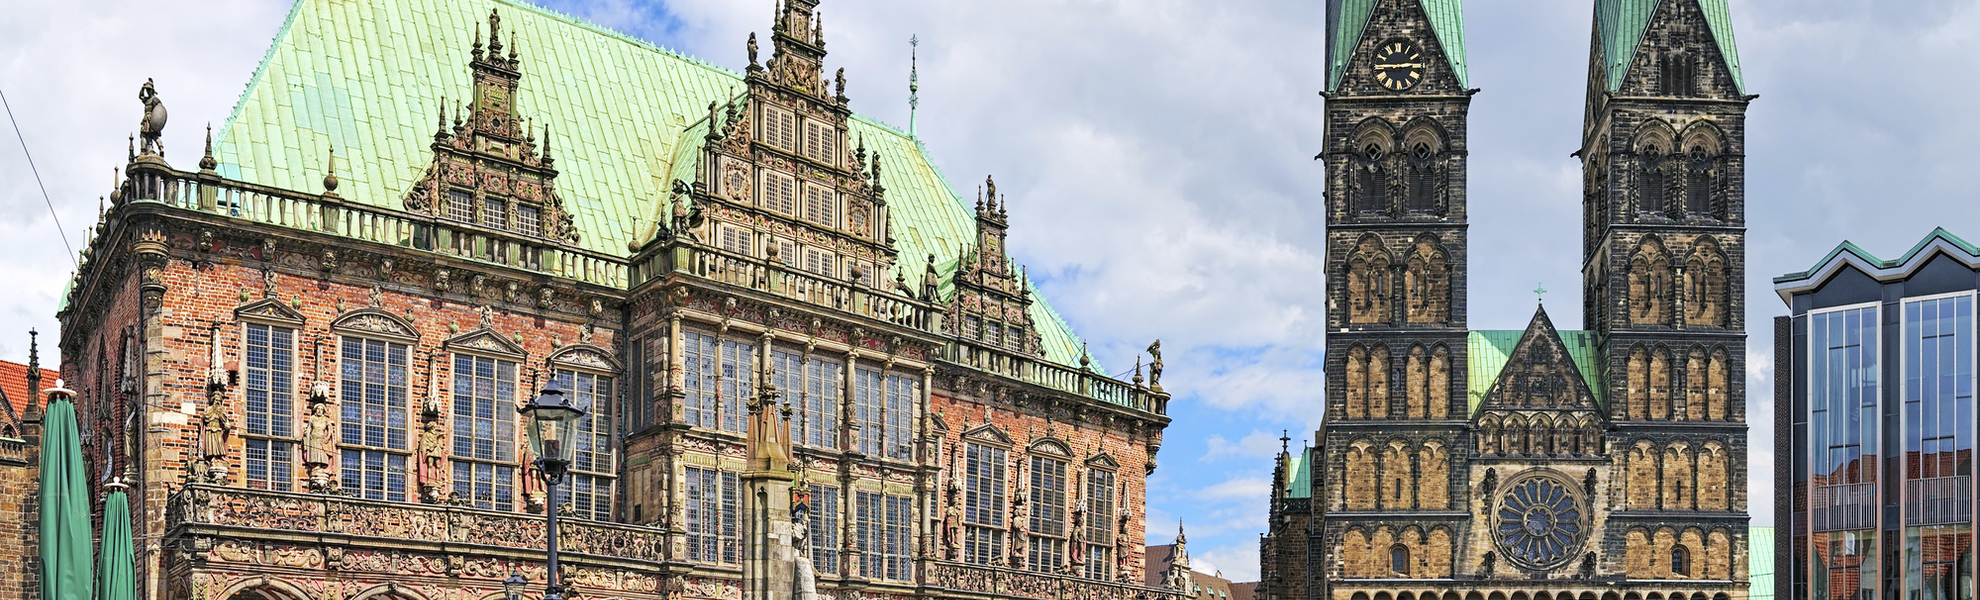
x,y
1401,66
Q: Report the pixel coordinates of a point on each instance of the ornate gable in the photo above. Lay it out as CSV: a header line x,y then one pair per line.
x,y
486,341
373,322
992,303
487,171
988,433
1103,461
1540,373
269,310
585,357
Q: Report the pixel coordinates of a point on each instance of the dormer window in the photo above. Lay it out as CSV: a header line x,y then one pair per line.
x,y
494,213
779,128
529,220
819,141
779,193
820,207
460,205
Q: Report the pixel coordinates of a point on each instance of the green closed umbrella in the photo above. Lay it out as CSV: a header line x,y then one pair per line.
x,y
115,576
65,535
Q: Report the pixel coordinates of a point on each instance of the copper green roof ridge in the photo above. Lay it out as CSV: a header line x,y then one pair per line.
x,y
1487,352
367,76
1937,234
1344,16
254,81
1301,483
1621,25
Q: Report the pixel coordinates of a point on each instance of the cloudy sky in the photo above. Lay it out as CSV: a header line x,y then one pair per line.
x,y
1157,154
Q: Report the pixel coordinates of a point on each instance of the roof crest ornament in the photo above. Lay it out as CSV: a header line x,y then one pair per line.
x,y
914,81
207,163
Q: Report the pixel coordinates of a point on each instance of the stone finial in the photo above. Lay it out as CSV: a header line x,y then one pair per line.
x,y
330,174
207,162
34,368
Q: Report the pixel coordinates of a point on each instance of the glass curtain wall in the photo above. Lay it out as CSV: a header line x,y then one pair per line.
x,y
1938,448
1843,402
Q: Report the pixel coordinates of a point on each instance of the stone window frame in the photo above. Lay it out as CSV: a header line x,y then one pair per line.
x,y
826,506
882,521
985,519
798,390
1049,465
780,193
588,360
1098,531
896,399
375,325
820,140
490,345
1399,559
726,502
724,396
780,128
272,314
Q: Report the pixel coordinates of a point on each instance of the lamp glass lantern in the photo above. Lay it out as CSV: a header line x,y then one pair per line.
x,y
553,421
512,588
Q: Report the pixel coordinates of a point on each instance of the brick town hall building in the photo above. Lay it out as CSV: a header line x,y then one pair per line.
x,y
1539,464
307,352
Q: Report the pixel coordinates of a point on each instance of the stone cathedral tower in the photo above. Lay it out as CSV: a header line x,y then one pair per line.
x,y
1536,463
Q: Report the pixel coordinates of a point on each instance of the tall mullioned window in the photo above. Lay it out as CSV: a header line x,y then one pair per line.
x,y
1047,551
824,523
883,526
593,466
1099,534
984,470
811,386
270,393
1843,431
485,431
720,379
711,516
883,405
374,376
1938,446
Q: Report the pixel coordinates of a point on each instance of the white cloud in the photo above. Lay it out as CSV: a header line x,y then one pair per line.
x,y
1258,444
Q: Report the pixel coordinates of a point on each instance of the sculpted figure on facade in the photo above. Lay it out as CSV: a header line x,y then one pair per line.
x,y
432,462
319,442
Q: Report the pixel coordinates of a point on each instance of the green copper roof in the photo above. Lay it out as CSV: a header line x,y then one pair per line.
x,y
1622,23
1489,350
1760,563
1347,19
369,76
1301,484
1938,235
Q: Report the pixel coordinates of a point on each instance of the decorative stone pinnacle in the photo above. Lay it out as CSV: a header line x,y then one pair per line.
x,y
330,174
207,163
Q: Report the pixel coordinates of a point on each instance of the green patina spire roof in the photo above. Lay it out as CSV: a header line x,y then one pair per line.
x,y
371,76
1620,25
1347,19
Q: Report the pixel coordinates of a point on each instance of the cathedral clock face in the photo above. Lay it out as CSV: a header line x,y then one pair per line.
x,y
1398,65
1540,523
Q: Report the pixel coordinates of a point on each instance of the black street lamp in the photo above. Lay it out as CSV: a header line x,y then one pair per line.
x,y
512,588
553,424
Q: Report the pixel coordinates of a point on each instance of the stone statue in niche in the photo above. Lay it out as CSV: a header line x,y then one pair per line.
x,y
214,429
432,462
319,445
805,573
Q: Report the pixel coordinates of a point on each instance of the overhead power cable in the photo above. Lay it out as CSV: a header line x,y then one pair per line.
x,y
37,180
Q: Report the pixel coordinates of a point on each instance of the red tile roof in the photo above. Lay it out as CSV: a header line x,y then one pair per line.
x,y
14,383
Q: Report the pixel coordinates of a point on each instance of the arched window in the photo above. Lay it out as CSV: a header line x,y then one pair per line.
x,y
1370,181
1701,179
1399,559
1650,180
1425,183
1680,561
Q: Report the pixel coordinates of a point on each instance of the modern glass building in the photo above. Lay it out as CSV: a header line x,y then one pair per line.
x,y
1875,425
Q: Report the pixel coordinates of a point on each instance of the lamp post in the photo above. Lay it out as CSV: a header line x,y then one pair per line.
x,y
552,430
512,588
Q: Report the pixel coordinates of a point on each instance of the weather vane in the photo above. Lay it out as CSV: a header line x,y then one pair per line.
x,y
914,81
